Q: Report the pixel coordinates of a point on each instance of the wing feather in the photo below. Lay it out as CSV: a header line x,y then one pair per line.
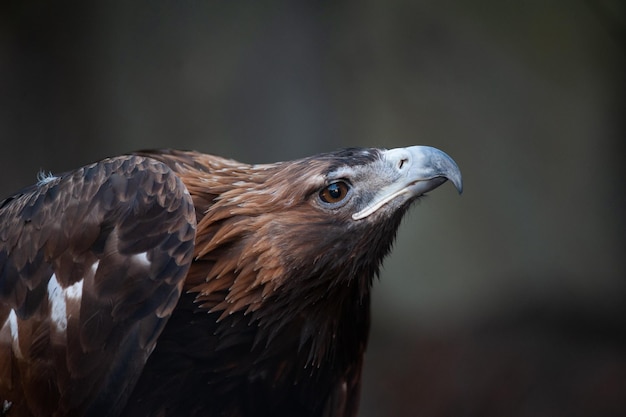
x,y
91,267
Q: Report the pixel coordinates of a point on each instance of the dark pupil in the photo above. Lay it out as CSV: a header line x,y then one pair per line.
x,y
334,191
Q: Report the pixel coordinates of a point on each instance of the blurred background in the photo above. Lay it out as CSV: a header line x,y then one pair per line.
x,y
507,301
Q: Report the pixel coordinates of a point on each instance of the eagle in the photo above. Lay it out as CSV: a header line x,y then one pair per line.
x,y
177,283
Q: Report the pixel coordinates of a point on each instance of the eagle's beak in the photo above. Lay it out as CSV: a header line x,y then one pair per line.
x,y
424,168
421,169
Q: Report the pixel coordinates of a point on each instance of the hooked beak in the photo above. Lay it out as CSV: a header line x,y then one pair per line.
x,y
420,169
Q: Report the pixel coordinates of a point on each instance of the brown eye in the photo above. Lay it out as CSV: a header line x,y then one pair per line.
x,y
335,192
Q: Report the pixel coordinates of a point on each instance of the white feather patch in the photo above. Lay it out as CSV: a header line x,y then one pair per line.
x,y
58,310
74,291
141,259
11,323
58,297
12,320
94,269
44,177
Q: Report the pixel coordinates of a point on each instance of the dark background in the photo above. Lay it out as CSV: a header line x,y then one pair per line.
x,y
507,301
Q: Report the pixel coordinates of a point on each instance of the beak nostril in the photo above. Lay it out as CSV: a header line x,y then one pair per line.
x,y
402,162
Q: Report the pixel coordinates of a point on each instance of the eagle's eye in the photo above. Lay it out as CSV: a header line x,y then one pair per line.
x,y
335,192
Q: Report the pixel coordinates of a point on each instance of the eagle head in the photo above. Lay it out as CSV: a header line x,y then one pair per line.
x,y
277,240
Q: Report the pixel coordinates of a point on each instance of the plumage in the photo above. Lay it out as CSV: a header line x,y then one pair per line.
x,y
168,283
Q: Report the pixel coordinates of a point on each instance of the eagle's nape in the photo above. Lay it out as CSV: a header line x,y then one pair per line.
x,y
178,283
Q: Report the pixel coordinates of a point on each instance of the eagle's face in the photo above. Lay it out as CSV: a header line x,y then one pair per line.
x,y
356,205
374,184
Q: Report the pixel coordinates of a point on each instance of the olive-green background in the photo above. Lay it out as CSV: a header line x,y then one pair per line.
x,y
508,300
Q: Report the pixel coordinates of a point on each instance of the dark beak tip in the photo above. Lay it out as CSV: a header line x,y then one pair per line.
x,y
457,182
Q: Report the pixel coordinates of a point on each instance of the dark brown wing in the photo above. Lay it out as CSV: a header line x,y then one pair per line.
x,y
91,267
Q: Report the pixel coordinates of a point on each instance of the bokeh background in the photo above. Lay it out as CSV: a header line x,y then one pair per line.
x,y
507,301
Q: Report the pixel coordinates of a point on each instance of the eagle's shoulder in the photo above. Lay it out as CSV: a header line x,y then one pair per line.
x,y
91,266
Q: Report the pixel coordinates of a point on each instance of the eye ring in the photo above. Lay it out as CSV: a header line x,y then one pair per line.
x,y
335,192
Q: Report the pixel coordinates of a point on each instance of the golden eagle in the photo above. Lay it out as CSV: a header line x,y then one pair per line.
x,y
175,283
